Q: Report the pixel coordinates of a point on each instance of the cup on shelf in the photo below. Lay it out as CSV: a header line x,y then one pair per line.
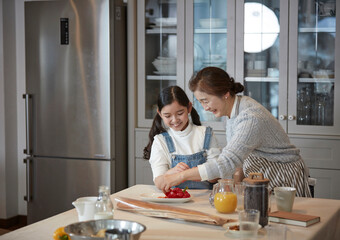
x,y
250,65
273,72
260,65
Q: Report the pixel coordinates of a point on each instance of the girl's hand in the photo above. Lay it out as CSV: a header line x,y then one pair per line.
x,y
171,180
166,181
180,167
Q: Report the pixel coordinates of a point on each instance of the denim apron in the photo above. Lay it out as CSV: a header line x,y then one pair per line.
x,y
191,160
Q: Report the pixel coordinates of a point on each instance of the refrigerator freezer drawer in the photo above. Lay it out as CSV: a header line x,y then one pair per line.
x,y
57,182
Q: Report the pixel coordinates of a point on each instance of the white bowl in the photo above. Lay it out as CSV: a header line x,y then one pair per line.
x,y
166,69
213,22
164,66
166,21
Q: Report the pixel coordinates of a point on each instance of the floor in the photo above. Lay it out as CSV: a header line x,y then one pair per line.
x,y
7,230
3,231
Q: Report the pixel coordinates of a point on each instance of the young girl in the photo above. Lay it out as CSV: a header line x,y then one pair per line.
x,y
183,145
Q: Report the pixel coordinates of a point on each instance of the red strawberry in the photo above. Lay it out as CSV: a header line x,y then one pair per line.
x,y
177,193
167,193
186,194
180,194
172,194
177,190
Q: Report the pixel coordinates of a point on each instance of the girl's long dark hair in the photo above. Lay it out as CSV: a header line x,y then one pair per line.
x,y
167,96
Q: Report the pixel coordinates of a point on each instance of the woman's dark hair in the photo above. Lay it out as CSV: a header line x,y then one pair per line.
x,y
167,96
214,81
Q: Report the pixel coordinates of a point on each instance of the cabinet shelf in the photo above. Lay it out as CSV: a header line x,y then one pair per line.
x,y
161,31
162,77
316,80
316,30
261,79
210,30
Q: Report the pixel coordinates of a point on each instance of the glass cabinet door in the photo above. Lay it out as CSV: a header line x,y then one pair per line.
x,y
157,54
261,52
207,35
314,66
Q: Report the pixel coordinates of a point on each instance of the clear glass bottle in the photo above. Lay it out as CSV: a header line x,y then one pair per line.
x,y
104,206
320,110
307,109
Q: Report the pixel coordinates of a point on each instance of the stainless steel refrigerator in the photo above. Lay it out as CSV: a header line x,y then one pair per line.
x,y
76,136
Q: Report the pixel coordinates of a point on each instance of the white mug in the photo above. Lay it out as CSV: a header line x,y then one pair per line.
x,y
260,65
284,197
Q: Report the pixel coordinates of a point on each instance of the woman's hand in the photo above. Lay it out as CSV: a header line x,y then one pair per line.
x,y
180,167
214,180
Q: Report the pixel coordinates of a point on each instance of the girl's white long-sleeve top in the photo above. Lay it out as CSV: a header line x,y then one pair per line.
x,y
186,142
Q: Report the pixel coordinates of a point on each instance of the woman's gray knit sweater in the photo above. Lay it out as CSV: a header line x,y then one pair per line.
x,y
253,131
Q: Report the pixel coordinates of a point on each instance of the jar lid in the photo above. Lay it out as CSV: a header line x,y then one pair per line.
x,y
256,179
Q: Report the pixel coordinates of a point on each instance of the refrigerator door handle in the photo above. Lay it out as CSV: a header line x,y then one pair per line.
x,y
27,123
28,196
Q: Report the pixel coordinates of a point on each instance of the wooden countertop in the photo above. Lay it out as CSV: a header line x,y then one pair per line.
x,y
157,228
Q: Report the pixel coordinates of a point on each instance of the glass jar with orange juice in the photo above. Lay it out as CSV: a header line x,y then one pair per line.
x,y
225,199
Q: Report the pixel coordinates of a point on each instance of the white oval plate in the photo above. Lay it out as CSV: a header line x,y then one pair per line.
x,y
159,197
237,232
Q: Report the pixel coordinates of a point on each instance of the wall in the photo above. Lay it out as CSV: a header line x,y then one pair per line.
x,y
8,158
20,106
12,128
2,125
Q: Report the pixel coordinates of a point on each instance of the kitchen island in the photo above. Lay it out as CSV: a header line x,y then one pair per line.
x,y
157,228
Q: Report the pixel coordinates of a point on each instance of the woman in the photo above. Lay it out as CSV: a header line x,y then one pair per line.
x,y
255,139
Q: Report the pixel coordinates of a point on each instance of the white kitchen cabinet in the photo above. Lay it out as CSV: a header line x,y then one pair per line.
x,y
143,172
284,53
291,65
327,184
314,65
287,61
143,167
160,30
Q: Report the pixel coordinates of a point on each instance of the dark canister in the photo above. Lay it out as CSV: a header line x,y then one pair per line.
x,y
256,195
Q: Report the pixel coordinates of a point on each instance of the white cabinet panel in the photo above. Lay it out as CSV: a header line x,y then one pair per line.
x,y
319,153
327,183
142,139
143,172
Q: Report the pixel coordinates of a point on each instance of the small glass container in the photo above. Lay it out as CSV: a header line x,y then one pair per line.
x,y
104,206
256,195
239,190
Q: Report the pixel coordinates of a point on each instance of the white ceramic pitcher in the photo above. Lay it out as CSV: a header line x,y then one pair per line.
x,y
86,207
